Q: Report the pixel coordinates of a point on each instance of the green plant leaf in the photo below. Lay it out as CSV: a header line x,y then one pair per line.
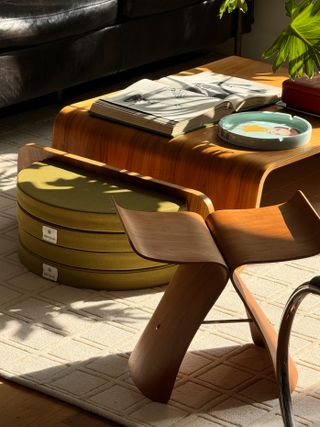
x,y
308,64
299,43
231,5
292,7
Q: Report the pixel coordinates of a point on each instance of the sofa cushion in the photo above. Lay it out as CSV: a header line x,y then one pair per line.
x,y
48,67
25,23
136,8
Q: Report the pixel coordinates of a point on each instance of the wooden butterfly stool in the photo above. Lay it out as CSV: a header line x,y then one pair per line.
x,y
209,252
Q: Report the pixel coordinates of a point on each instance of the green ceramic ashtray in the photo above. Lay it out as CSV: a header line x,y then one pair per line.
x,y
265,130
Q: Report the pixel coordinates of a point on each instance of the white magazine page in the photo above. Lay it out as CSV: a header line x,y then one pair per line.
x,y
157,99
221,86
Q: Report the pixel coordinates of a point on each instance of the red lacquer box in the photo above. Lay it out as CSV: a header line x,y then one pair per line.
x,y
302,94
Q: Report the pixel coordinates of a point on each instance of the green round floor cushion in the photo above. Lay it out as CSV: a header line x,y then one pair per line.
x,y
85,259
71,238
69,198
95,279
69,230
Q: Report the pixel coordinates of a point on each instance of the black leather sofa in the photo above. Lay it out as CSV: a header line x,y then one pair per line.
x,y
46,46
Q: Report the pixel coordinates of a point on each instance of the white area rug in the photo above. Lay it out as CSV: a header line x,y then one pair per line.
x,y
74,344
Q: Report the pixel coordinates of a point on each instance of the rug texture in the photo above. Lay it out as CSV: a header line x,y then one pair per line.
x,y
74,344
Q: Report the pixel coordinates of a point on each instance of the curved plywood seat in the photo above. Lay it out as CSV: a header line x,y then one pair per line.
x,y
208,252
179,239
274,233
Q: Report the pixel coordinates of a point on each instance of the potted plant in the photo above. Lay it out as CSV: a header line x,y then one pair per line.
x,y
299,43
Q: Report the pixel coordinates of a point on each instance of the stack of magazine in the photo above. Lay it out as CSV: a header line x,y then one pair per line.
x,y
177,104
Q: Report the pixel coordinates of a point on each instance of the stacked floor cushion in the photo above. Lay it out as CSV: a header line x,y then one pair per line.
x,y
69,231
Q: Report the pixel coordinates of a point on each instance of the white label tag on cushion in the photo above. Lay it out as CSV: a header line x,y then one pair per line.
x,y
49,272
49,234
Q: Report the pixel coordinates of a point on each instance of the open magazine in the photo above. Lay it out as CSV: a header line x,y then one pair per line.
x,y
178,104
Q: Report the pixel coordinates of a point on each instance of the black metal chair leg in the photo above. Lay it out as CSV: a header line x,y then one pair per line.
x,y
312,287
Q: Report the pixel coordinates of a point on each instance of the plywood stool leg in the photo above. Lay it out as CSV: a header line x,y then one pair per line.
x,y
155,361
263,333
256,335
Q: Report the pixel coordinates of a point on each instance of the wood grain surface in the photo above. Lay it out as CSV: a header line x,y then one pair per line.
x,y
196,201
231,177
155,360
275,233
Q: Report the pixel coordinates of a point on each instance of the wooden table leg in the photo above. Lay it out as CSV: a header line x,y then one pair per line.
x,y
155,361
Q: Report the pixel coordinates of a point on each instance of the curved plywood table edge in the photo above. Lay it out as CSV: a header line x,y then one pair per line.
x,y
273,166
249,176
242,172
249,193
160,157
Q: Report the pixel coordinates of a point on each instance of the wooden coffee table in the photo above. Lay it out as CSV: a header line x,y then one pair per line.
x,y
232,177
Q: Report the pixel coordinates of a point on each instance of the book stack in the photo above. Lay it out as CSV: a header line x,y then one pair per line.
x,y
69,231
178,104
